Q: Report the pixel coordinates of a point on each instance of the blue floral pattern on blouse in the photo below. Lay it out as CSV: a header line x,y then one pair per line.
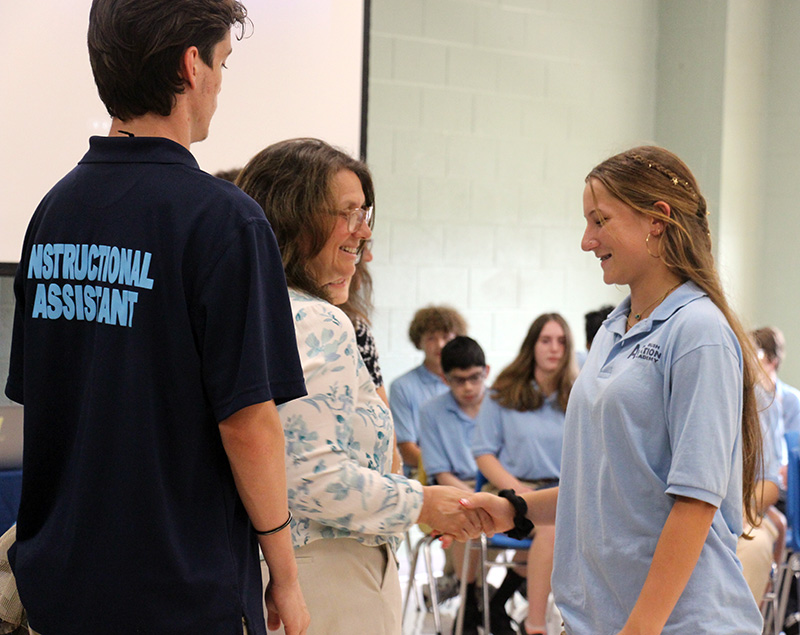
x,y
339,440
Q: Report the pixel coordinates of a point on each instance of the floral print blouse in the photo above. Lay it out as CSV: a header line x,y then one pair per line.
x,y
339,440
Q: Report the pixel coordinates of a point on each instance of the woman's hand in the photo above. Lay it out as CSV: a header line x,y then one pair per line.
x,y
500,509
443,510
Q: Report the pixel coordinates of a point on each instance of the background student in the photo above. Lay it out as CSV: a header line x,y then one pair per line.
x,y
430,329
447,424
517,445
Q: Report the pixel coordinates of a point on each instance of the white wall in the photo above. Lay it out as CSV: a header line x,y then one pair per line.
x,y
299,73
778,301
484,118
485,115
743,152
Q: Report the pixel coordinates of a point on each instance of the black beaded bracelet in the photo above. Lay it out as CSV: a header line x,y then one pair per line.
x,y
523,526
269,532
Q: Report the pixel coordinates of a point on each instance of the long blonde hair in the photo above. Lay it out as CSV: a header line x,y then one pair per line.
x,y
643,176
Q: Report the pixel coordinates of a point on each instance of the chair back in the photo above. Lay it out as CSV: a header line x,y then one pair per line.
x,y
793,499
792,439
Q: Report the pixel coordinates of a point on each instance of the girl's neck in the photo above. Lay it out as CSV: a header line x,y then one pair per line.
x,y
545,381
648,294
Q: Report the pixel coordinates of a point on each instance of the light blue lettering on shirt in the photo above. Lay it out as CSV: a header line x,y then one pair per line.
x,y
98,263
84,303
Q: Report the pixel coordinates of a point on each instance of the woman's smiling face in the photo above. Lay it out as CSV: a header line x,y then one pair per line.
x,y
336,263
616,234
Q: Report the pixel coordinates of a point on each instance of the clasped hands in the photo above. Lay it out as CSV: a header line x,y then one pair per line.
x,y
456,514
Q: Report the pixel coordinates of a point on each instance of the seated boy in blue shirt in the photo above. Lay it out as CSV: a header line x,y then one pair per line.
x,y
447,423
431,328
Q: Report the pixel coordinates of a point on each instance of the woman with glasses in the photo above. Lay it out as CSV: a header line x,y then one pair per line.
x,y
350,512
356,302
517,445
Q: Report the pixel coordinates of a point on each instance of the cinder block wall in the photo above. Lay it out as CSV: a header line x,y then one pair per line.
x,y
484,118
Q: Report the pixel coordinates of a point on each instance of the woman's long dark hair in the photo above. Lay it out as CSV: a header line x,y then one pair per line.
x,y
291,180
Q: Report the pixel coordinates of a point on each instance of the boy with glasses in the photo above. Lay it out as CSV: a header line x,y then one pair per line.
x,y
447,423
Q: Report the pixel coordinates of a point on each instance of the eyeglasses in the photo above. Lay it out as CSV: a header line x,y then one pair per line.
x,y
475,378
356,217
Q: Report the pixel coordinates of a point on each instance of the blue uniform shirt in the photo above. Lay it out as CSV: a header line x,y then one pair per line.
x,y
770,416
655,413
527,444
790,402
445,438
406,394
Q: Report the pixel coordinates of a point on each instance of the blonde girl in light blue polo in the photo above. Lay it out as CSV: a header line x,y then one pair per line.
x,y
662,443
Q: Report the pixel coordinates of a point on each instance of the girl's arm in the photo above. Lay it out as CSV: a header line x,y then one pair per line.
x,y
541,507
676,555
497,475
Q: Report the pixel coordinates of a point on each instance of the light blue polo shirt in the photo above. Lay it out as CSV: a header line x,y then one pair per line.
x,y
406,394
654,413
770,415
445,438
790,401
527,444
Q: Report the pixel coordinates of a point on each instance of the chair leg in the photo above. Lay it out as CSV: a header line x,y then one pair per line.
x,y
785,587
426,552
487,627
462,589
412,576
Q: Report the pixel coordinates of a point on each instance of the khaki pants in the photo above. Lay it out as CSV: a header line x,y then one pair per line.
x,y
756,556
349,588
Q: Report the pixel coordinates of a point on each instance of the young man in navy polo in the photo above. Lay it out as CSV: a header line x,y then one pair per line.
x,y
152,340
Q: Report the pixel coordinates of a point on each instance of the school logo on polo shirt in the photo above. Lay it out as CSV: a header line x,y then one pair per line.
x,y
650,352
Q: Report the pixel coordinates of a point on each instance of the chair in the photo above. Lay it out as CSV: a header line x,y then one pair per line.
x,y
498,541
423,545
790,567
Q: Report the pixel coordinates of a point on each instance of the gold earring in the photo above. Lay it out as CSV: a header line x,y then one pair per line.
x,y
647,245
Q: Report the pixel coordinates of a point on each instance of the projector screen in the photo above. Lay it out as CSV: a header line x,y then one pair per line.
x,y
300,72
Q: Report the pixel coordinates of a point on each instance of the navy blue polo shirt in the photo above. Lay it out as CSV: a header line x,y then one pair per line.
x,y
151,304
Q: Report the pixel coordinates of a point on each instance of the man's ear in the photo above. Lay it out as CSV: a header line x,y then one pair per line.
x,y
189,62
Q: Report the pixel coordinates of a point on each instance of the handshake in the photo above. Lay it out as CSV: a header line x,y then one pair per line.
x,y
460,515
